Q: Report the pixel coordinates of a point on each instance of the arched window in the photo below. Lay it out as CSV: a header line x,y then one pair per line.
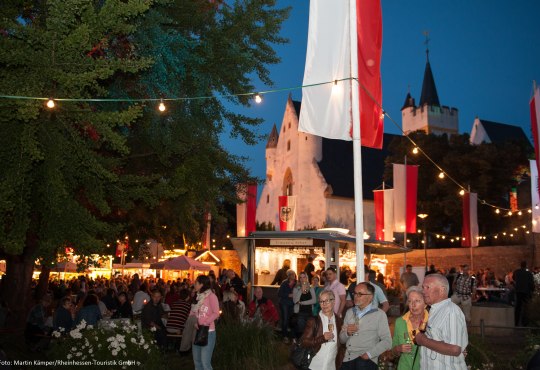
x,y
287,188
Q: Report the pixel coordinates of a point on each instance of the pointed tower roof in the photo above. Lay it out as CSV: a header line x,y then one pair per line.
x,y
429,91
409,102
272,138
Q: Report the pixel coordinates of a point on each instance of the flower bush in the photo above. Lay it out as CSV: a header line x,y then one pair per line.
x,y
112,344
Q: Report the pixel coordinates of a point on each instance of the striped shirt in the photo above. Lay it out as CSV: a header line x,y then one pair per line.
x,y
446,323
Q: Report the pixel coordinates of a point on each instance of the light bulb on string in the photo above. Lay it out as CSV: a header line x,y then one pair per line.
x,y
441,175
520,213
462,192
497,211
336,89
415,150
50,103
536,206
258,98
509,213
529,211
162,107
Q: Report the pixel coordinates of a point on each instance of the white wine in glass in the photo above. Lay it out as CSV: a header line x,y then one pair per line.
x,y
331,329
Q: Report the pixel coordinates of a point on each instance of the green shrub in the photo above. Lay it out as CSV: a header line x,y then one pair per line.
x,y
113,346
247,346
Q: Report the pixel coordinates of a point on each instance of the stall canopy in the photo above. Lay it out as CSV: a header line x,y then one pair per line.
x,y
294,238
180,263
65,267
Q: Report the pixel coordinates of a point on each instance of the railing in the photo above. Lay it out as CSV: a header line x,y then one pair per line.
x,y
483,327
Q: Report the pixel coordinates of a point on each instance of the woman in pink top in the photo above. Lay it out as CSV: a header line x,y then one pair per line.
x,y
207,311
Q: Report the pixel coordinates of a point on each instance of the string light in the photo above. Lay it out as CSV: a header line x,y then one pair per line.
x,y
162,106
258,98
415,150
50,103
519,213
510,213
497,211
441,175
462,192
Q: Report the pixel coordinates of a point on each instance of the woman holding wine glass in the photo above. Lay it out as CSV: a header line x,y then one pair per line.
x,y
321,334
406,328
304,299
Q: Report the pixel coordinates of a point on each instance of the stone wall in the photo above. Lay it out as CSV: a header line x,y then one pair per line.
x,y
500,259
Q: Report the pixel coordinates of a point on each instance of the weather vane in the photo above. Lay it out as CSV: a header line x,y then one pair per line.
x,y
426,33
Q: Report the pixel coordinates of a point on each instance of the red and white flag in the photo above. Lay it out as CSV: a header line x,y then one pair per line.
x,y
384,214
246,211
287,212
535,198
331,56
405,193
534,106
469,233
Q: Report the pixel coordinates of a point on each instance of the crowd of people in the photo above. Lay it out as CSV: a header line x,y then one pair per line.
x,y
342,320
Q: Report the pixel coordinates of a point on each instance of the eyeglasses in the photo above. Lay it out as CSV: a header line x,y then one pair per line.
x,y
326,301
359,294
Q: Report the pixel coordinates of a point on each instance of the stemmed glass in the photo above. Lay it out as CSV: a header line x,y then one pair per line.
x,y
407,339
331,328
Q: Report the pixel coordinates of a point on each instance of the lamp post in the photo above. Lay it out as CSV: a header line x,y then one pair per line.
x,y
423,216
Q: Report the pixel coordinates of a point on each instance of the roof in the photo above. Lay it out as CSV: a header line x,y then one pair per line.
x,y
273,138
500,133
409,101
337,166
297,105
429,91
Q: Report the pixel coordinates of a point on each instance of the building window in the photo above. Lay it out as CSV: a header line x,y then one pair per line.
x,y
289,125
267,198
288,145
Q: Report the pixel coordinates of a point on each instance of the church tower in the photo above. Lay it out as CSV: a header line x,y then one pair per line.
x,y
429,116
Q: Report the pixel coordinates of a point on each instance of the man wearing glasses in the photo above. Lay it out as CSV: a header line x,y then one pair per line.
x,y
365,331
446,336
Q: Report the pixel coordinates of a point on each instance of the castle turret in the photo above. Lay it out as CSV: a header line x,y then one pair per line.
x,y
271,152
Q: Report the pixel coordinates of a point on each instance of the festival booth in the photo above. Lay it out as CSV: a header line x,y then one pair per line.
x,y
263,253
179,267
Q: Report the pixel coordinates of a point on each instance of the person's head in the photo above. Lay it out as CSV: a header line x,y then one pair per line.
x,y
231,274
91,299
46,301
465,269
303,278
415,299
326,300
156,296
258,292
363,294
315,281
183,294
310,259
286,264
230,295
66,303
122,298
372,275
322,264
408,268
435,288
523,264
202,283
291,275
330,274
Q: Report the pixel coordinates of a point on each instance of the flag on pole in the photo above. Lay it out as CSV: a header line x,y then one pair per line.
x,y
121,248
469,232
326,108
535,201
287,212
246,211
534,106
405,189
384,214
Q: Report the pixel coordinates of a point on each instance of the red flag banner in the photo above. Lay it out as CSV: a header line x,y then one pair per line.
x,y
326,109
246,210
405,193
469,237
384,214
287,212
534,106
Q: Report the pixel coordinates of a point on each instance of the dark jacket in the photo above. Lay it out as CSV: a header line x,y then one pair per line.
x,y
152,314
315,340
283,293
63,319
523,281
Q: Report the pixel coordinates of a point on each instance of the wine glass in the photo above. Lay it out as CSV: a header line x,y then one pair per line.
x,y
331,329
357,323
407,339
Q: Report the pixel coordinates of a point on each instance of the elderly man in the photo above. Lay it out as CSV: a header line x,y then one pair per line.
x,y
445,337
365,331
379,298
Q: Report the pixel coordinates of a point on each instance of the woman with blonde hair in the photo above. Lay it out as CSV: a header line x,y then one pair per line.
x,y
406,328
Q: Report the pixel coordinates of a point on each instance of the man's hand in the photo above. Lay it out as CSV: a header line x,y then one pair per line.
x,y
328,335
420,339
351,329
365,356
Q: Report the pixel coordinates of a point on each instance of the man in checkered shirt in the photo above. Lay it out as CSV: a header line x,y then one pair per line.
x,y
464,288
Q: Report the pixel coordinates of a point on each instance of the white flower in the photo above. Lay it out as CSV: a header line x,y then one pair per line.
x,y
56,334
114,352
75,334
96,338
82,324
73,349
78,354
145,346
69,356
99,345
90,327
134,340
90,351
152,329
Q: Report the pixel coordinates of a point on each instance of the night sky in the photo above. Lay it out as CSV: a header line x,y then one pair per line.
x,y
484,55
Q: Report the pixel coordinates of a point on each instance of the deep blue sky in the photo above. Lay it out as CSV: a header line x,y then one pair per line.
x,y
484,55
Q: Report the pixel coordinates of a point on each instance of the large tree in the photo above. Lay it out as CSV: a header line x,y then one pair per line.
x,y
85,172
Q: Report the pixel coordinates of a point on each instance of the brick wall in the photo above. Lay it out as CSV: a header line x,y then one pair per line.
x,y
500,259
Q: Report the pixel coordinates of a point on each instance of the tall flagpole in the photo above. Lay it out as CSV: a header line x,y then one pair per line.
x,y
357,145
405,233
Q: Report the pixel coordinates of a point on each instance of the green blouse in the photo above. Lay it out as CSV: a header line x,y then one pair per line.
x,y
406,359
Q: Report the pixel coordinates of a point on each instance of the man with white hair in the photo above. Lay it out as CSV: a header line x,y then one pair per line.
x,y
445,337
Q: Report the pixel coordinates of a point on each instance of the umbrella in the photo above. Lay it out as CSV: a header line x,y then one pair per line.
x,y
180,263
